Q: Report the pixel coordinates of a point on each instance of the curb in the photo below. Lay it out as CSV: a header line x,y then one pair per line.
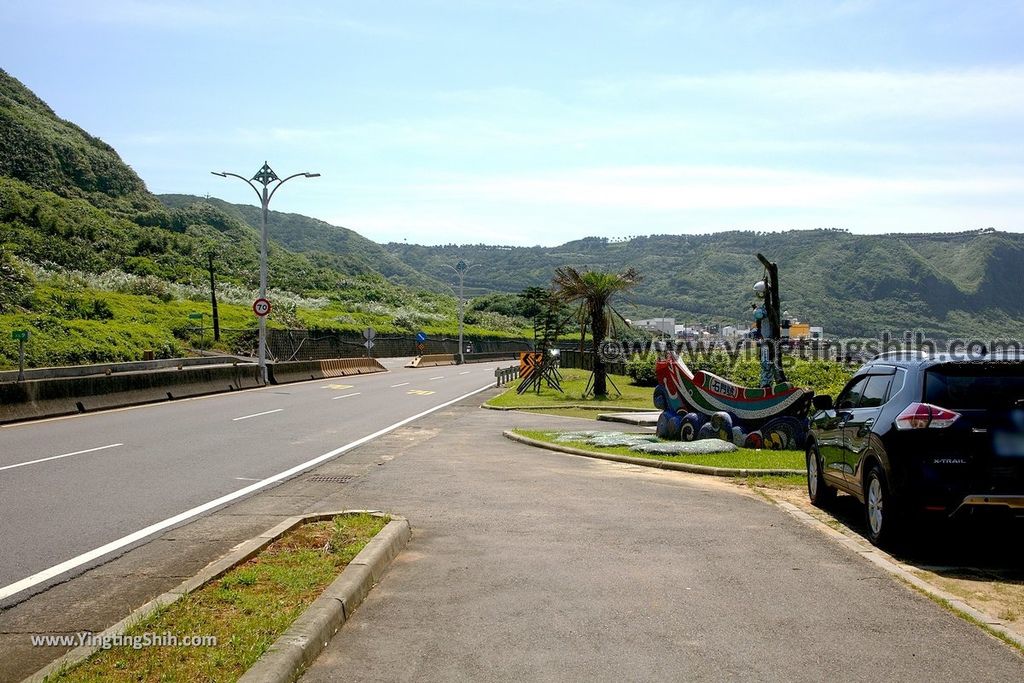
x,y
645,462
625,419
582,406
888,564
310,632
299,645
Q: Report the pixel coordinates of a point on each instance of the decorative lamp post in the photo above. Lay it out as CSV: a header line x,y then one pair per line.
x,y
461,268
265,177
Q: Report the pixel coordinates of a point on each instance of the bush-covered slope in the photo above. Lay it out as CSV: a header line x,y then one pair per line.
x,y
97,268
47,152
340,248
963,284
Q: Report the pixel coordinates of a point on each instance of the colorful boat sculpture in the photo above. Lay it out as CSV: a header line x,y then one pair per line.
x,y
700,405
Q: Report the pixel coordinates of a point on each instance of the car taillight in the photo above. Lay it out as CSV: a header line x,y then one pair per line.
x,y
924,415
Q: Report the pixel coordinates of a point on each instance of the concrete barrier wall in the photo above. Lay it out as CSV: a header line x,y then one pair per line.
x,y
432,360
39,398
486,357
316,345
103,368
33,399
303,370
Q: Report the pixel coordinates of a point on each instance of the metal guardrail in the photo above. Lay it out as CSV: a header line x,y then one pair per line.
x,y
505,375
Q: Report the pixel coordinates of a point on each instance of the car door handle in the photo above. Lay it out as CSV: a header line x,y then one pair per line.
x,y
865,427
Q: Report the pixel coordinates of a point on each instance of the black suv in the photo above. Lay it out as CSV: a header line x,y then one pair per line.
x,y
913,434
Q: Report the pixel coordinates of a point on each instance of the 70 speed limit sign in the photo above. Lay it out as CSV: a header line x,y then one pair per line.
x,y
261,307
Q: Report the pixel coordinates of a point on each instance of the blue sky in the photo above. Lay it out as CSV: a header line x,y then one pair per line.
x,y
522,122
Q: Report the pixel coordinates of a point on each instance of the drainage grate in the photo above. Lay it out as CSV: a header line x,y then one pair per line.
x,y
326,479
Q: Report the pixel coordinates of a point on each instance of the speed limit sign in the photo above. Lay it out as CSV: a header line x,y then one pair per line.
x,y
261,307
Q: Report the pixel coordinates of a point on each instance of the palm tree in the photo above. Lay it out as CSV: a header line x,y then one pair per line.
x,y
594,290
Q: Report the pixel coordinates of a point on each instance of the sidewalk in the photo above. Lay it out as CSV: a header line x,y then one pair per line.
x,y
532,565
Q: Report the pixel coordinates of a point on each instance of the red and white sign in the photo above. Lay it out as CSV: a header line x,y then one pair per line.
x,y
261,307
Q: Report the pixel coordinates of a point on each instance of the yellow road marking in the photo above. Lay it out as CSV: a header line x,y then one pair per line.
x,y
420,392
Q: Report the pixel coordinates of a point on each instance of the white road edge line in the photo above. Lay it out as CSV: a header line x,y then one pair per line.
x,y
265,412
90,556
57,457
358,393
400,385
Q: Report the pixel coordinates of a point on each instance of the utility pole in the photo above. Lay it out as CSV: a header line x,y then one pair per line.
x,y
461,268
265,176
213,299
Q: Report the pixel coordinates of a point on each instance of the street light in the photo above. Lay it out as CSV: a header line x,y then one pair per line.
x,y
461,268
265,176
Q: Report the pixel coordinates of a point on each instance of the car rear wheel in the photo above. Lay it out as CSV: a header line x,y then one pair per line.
x,y
881,515
820,493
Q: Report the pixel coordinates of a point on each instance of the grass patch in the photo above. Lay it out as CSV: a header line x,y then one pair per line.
x,y
741,458
583,413
574,383
777,482
246,609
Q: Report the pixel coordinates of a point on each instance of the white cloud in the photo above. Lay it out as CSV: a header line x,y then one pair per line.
x,y
188,16
682,188
849,94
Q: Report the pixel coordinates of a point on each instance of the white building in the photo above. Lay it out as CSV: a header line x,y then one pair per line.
x,y
658,325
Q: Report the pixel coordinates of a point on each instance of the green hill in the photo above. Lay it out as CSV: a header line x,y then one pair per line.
x,y
960,285
342,249
98,269
49,153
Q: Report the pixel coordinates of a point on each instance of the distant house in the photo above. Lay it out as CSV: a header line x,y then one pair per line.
x,y
656,325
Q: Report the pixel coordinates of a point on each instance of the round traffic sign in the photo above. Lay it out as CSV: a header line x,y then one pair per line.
x,y
261,307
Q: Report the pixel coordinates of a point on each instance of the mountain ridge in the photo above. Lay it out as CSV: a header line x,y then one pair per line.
x,y
942,284
54,176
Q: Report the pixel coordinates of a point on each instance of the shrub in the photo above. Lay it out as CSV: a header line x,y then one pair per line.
x,y
641,369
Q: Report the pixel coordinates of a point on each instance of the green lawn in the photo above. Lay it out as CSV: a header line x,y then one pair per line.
x,y
574,383
743,458
246,610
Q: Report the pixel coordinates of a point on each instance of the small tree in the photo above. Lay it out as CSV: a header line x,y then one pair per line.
x,y
593,290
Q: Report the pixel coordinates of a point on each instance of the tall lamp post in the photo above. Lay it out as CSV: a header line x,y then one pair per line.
x,y
265,177
461,268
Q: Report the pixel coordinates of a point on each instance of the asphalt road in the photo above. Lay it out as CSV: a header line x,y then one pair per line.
x,y
70,486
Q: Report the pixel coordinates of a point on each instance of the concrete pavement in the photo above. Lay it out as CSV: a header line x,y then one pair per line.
x,y
531,565
527,564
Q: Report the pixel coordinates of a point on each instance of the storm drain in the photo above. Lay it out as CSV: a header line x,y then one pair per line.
x,y
329,479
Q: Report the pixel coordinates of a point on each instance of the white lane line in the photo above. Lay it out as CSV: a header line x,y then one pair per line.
x,y
438,377
265,412
57,457
358,393
86,557
246,478
464,373
399,385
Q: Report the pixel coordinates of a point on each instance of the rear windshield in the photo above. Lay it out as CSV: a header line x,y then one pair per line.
x,y
975,385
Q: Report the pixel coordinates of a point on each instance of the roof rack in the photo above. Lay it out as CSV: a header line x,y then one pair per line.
x,y
911,353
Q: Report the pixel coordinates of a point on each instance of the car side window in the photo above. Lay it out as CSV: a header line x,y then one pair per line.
x,y
875,391
898,381
850,396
